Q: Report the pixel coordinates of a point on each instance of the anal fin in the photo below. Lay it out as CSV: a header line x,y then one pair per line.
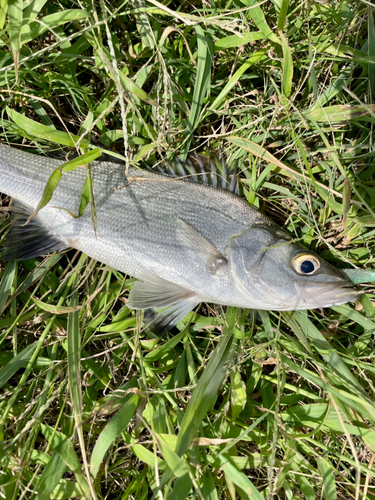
x,y
165,303
30,240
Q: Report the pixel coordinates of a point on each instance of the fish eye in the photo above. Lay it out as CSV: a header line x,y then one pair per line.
x,y
306,264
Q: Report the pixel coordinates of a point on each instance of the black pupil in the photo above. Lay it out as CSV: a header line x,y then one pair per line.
x,y
307,266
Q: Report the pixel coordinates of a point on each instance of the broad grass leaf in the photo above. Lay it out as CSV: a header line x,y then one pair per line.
x,y
328,477
134,89
3,12
90,188
239,478
50,477
56,176
340,113
371,51
119,326
238,393
64,447
15,12
51,185
205,393
34,29
6,283
256,13
333,89
306,488
257,56
81,160
43,132
176,464
202,83
54,309
324,348
368,306
346,198
74,356
258,151
238,40
85,197
111,432
164,349
144,27
66,489
38,270
148,457
208,487
287,68
282,14
32,10
147,148
181,488
355,316
19,361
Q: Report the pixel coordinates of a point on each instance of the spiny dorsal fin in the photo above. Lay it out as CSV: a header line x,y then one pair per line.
x,y
208,170
25,242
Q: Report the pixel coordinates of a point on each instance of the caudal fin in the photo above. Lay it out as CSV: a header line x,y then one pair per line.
x,y
30,240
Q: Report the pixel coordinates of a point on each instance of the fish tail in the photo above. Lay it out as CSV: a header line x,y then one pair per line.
x,y
26,240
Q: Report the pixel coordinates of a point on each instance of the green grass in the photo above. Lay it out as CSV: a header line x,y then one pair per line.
x,y
236,405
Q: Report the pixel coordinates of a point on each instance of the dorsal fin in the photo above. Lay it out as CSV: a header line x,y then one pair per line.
x,y
203,169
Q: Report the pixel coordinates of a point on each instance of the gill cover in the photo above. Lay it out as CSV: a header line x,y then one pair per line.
x,y
246,253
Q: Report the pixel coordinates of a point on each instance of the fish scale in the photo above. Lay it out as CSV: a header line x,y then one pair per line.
x,y
189,242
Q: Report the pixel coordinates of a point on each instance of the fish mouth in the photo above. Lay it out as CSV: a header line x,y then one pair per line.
x,y
326,294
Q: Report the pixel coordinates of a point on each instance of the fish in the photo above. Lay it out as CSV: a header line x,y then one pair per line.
x,y
186,236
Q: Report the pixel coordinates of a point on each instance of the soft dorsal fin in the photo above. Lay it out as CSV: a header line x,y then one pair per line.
x,y
30,240
204,170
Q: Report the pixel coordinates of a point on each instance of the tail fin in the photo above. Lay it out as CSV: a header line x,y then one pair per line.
x,y
30,240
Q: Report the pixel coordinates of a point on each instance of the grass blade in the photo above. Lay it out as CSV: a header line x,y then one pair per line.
x,y
50,477
56,177
111,432
340,113
239,478
6,283
371,52
204,395
287,68
329,486
259,19
238,40
202,85
74,374
15,12
282,14
43,132
19,361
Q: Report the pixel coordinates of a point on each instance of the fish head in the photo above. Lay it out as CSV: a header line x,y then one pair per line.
x,y
272,272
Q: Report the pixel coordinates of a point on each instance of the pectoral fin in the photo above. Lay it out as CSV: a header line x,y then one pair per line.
x,y
165,303
199,248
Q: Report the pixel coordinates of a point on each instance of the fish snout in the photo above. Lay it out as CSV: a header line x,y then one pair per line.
x,y
314,295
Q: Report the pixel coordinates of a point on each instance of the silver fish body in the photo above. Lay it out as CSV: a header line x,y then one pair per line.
x,y
187,242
